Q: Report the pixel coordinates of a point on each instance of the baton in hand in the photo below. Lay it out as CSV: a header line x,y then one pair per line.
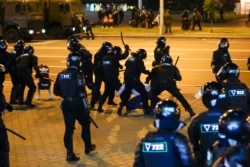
x,y
93,122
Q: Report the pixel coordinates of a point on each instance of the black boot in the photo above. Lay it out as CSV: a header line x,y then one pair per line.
x,y
29,98
119,111
100,110
13,96
191,112
112,103
71,156
89,149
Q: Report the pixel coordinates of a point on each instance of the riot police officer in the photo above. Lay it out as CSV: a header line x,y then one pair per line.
x,y
233,130
99,76
111,66
237,156
160,50
221,56
18,50
237,93
70,86
4,59
134,68
24,65
73,45
4,142
164,77
203,128
165,146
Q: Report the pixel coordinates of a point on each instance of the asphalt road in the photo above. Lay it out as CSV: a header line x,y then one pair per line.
x,y
117,136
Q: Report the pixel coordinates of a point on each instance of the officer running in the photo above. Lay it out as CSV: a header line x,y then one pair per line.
x,y
99,76
111,66
70,85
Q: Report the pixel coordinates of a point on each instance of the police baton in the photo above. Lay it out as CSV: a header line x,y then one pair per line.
x,y
15,133
176,61
93,122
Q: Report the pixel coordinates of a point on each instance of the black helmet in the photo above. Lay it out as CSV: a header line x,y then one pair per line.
x,y
161,41
73,45
167,108
117,50
107,46
142,53
167,115
166,59
223,43
228,70
19,45
3,44
211,92
74,60
234,124
29,50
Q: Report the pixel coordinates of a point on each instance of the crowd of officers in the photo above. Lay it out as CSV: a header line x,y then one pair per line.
x,y
215,135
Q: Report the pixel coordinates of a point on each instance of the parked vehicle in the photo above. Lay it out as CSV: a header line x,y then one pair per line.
x,y
63,17
21,19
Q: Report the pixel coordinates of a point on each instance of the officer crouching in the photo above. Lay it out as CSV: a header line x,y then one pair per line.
x,y
70,85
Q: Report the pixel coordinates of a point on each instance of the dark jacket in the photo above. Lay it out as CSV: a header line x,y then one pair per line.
x,y
220,57
164,147
134,67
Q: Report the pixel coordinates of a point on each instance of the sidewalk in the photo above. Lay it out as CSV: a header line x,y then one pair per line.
x,y
43,128
230,29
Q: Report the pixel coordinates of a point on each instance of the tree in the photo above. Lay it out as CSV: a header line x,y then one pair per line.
x,y
210,6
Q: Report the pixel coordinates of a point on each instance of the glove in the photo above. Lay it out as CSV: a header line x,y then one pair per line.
x,y
126,47
2,68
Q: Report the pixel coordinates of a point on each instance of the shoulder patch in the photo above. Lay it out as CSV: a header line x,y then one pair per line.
x,y
155,147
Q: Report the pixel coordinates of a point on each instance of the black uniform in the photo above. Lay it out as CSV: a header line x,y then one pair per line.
x,y
14,97
165,147
4,59
159,52
70,86
233,130
110,66
134,67
220,57
24,65
4,142
163,77
202,132
99,77
87,66
237,94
